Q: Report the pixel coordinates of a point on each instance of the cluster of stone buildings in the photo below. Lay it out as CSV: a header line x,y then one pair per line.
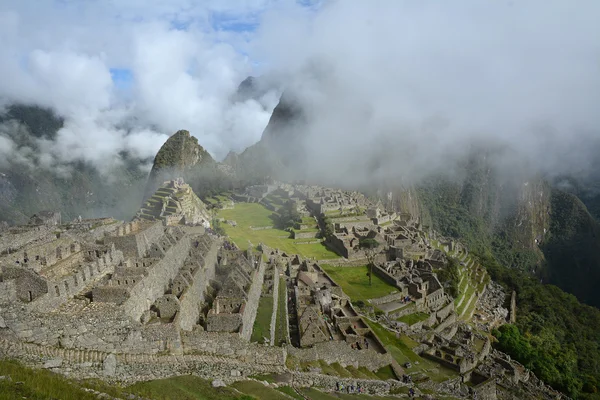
x,y
101,290
176,203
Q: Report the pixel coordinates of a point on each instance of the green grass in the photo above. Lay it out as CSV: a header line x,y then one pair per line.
x,y
315,394
355,282
327,369
290,392
341,371
27,383
281,323
182,388
262,323
357,373
248,215
412,319
385,373
258,390
401,350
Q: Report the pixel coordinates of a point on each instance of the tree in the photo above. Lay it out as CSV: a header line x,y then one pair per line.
x,y
369,246
289,217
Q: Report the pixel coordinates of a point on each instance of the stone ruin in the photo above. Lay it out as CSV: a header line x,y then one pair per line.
x,y
176,203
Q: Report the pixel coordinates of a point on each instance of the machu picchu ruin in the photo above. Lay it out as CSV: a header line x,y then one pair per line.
x,y
125,301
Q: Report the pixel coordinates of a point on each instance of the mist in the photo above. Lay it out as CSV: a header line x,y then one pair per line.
x,y
403,89
390,89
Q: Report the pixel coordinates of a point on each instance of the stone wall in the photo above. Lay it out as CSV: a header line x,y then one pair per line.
x,y
28,285
15,238
190,300
138,242
341,352
8,291
251,307
304,235
223,322
230,344
387,299
445,311
145,292
275,303
61,290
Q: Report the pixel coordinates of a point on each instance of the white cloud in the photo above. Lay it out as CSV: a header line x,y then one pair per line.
x,y
418,79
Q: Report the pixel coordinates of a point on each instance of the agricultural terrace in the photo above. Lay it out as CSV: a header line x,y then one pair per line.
x,y
254,225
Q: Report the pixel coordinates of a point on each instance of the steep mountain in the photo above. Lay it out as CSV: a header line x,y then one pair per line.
x,y
279,153
179,154
182,157
27,185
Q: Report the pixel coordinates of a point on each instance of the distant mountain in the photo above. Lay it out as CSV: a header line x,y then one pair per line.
x,y
26,187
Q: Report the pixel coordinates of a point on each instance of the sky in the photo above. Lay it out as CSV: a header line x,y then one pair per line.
x,y
410,83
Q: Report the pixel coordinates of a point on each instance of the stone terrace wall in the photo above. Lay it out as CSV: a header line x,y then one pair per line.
x,y
129,368
386,299
16,238
61,290
251,306
341,352
145,292
138,243
275,303
8,292
189,311
230,344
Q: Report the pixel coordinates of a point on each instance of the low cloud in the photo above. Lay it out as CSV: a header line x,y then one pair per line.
x,y
402,88
391,88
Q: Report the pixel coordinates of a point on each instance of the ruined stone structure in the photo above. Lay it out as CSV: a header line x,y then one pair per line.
x,y
175,203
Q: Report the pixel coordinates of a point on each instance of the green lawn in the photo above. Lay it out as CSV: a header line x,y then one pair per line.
x,y
355,282
281,324
262,323
248,215
412,319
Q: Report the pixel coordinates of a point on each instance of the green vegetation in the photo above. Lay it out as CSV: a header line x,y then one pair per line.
x,y
262,323
369,246
255,215
412,319
385,373
555,335
288,216
185,387
355,282
42,384
258,390
401,350
290,392
450,277
281,324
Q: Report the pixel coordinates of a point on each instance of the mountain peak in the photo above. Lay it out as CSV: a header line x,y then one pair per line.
x,y
179,153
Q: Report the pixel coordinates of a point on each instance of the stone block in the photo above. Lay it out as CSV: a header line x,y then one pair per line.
x,y
54,363
218,383
110,365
